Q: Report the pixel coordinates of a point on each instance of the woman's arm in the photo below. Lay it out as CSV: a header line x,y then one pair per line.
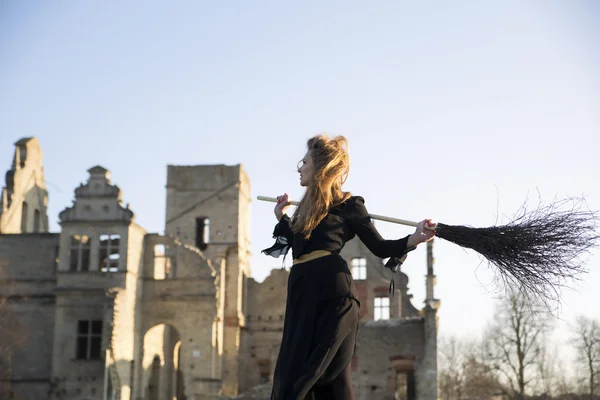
x,y
284,237
283,228
363,227
283,234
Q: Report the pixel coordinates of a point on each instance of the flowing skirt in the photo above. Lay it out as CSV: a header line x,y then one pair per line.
x,y
319,332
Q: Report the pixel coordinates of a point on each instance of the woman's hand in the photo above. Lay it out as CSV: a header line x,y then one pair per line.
x,y
424,233
283,202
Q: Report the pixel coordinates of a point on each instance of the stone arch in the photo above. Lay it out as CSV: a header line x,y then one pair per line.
x,y
161,375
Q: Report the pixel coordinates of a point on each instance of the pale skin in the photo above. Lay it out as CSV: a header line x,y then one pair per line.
x,y
423,233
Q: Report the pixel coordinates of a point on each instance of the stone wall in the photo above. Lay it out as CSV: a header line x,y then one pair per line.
x,y
29,258
264,328
185,302
203,191
75,378
377,283
160,360
219,194
27,277
379,344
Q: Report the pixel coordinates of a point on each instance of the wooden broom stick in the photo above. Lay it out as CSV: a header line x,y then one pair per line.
x,y
374,216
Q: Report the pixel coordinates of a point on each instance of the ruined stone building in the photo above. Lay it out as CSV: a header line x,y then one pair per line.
x,y
105,310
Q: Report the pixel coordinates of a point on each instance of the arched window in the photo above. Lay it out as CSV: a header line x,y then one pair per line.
x,y
24,214
36,221
22,155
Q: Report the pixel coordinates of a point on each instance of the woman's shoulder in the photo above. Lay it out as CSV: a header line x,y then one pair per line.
x,y
350,204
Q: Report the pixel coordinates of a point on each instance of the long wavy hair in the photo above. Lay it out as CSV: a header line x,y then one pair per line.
x,y
331,168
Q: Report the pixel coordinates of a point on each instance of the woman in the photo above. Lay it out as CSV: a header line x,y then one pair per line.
x,y
321,318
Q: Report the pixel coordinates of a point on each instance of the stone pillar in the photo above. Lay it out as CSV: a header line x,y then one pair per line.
x,y
427,388
231,331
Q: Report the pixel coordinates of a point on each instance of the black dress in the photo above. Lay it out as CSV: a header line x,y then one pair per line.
x,y
321,317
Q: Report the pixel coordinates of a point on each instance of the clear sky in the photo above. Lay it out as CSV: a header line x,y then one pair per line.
x,y
454,112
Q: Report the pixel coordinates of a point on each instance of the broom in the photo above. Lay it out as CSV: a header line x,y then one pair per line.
x,y
536,252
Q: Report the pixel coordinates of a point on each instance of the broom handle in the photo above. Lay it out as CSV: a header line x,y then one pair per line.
x,y
374,216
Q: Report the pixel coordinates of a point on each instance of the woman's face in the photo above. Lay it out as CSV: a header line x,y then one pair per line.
x,y
306,170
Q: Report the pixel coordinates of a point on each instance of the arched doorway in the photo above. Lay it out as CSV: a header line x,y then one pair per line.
x,y
160,362
403,377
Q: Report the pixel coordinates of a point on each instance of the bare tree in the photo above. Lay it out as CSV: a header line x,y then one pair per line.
x,y
565,385
517,336
452,365
587,343
481,378
466,370
546,366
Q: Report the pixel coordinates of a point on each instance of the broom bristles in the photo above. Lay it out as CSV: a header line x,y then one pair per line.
x,y
538,252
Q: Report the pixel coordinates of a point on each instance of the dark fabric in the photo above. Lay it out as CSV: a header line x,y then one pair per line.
x,y
342,223
319,333
340,388
284,238
322,310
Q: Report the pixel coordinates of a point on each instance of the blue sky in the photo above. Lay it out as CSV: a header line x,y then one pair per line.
x,y
455,112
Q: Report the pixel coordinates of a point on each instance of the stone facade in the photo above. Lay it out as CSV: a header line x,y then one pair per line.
x,y
25,198
106,310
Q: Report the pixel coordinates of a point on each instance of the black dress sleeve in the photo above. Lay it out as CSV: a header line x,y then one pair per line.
x,y
361,224
284,236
